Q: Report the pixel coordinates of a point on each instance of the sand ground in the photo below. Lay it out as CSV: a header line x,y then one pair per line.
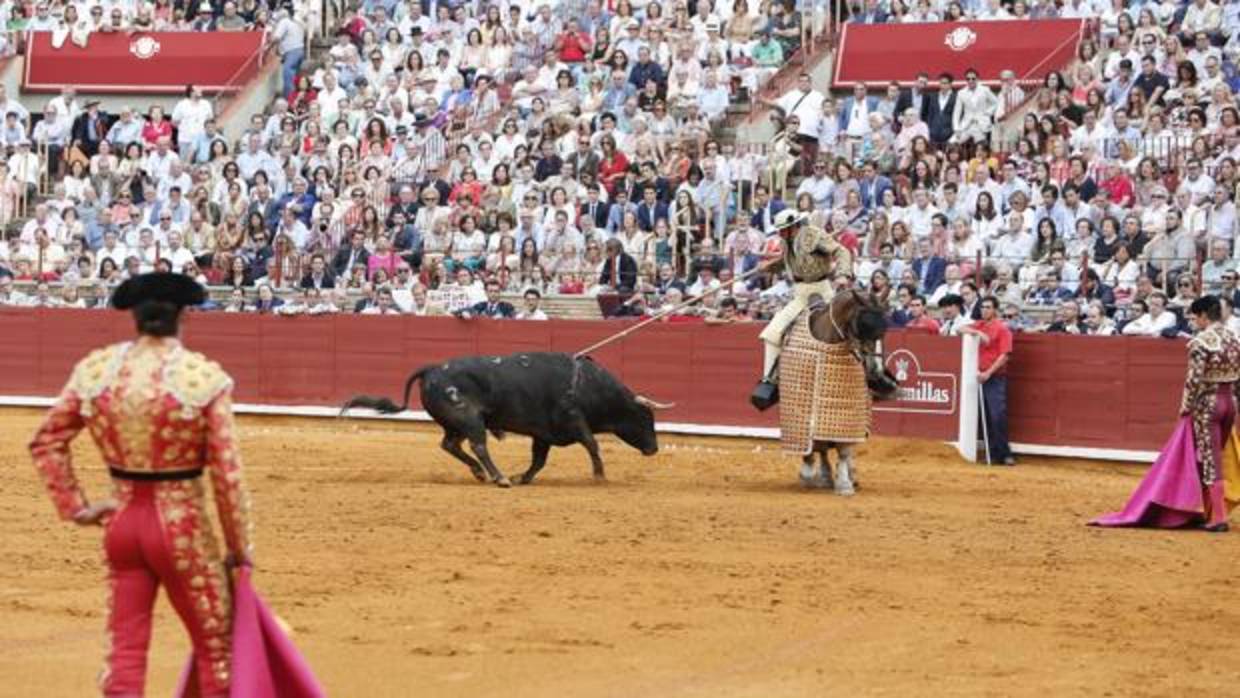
x,y
702,571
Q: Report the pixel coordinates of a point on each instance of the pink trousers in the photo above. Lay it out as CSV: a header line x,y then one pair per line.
x,y
159,537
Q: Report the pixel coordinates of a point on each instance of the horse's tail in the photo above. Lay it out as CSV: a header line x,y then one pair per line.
x,y
384,405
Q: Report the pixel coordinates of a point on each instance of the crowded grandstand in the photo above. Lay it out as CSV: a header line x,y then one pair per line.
x,y
586,159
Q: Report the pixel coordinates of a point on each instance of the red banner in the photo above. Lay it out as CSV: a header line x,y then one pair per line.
x,y
153,63
880,53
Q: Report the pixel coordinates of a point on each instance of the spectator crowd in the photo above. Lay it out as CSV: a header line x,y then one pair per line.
x,y
435,158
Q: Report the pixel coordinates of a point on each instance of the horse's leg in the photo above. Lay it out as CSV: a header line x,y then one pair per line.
x,y
826,480
843,472
807,469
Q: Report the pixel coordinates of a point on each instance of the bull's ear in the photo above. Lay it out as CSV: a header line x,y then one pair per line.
x,y
647,402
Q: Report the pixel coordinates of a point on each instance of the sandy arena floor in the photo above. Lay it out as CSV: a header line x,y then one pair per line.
x,y
702,571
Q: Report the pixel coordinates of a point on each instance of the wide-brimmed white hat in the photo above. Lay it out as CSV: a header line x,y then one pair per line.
x,y
788,218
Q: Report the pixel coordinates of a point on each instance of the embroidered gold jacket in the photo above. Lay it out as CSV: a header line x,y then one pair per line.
x,y
813,255
1213,358
149,407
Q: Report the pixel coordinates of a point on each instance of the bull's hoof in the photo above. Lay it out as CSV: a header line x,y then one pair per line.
x,y
503,482
480,476
600,479
525,480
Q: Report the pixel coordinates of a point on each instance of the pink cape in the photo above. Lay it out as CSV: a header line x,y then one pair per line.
x,y
265,663
1170,494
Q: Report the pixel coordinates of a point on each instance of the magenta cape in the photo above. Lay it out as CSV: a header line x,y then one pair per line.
x,y
1170,494
265,663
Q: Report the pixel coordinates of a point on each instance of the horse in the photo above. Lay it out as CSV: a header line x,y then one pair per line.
x,y
856,320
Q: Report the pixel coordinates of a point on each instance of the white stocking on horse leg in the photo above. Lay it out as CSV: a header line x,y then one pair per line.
x,y
807,470
843,475
825,479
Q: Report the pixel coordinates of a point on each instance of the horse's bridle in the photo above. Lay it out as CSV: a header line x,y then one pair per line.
x,y
850,337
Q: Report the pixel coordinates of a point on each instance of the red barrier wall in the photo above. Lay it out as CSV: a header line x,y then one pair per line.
x,y
1102,392
151,62
1065,391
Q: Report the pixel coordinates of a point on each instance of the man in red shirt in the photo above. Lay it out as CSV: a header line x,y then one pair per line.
x,y
992,361
918,320
574,43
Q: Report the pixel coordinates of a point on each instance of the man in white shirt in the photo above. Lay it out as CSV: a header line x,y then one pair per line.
x,y
177,178
531,311
713,99
113,249
254,159
292,226
125,130
954,318
705,281
10,296
1219,263
176,252
159,161
819,186
886,262
805,103
1153,322
1221,216
854,116
1090,134
290,37
1203,16
24,165
1199,184
66,105
527,87
1016,245
190,117
920,215
383,305
975,105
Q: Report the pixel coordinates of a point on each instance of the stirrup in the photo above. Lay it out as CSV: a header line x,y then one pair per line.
x,y
765,394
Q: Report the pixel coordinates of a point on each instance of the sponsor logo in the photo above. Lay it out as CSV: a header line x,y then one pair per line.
x,y
144,47
960,38
920,391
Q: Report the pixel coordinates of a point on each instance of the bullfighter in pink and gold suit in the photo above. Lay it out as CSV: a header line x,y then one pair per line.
x,y
162,417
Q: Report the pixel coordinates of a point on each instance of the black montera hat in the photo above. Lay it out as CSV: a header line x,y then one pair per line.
x,y
177,289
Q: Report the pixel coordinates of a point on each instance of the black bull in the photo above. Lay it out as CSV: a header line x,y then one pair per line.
x,y
551,397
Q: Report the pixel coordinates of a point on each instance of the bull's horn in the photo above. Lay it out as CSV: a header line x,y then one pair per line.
x,y
643,400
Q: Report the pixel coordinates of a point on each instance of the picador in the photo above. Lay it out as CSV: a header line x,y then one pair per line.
x,y
812,258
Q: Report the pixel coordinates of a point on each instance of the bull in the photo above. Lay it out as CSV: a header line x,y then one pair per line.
x,y
554,398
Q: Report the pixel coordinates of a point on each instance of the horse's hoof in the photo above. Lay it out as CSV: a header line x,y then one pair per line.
x,y
503,482
845,490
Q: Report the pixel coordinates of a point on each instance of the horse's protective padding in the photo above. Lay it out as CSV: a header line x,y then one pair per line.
x,y
823,394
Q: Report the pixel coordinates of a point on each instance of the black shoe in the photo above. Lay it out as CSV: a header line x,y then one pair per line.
x,y
765,395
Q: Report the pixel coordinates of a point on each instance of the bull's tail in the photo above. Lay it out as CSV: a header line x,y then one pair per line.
x,y
384,405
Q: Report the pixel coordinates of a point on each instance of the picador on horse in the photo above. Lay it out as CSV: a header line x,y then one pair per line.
x,y
822,361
